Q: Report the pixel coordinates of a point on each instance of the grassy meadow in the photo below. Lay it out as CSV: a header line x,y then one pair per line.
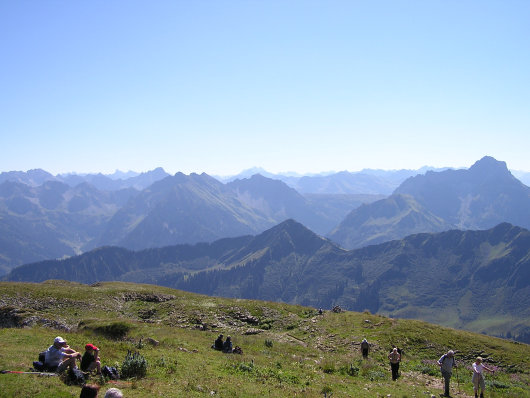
x,y
288,351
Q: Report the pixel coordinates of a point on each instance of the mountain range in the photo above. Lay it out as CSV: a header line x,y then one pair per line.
x,y
52,220
55,219
59,218
477,280
102,182
480,197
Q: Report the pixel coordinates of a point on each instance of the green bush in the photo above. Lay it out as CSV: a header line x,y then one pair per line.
x,y
328,367
428,370
134,365
376,375
268,343
351,370
245,367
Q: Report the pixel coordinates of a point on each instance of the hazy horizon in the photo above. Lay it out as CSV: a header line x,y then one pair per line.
x,y
300,86
256,168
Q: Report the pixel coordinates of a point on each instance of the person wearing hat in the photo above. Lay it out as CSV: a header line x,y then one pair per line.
x,y
59,356
478,378
447,363
90,360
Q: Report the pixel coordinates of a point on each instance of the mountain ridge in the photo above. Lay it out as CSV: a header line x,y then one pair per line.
x,y
447,277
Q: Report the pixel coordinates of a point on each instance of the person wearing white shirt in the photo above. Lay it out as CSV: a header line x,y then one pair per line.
x,y
478,377
59,356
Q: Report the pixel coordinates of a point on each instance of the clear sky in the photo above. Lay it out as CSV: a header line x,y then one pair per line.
x,y
222,86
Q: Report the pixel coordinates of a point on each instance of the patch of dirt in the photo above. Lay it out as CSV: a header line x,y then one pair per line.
x,y
147,297
433,385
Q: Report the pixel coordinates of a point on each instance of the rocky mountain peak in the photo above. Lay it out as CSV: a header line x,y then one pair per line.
x,y
489,166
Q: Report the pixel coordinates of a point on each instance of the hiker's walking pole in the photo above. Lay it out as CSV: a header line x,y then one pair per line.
x,y
28,373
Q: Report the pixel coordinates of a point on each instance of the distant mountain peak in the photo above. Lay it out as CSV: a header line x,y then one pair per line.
x,y
292,234
489,164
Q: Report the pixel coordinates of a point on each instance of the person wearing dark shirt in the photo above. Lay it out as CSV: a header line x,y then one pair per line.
x,y
218,344
227,346
90,359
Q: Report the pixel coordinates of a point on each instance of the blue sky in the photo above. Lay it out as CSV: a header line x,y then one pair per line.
x,y
222,86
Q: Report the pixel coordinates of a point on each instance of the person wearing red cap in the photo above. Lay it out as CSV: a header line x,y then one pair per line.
x,y
90,360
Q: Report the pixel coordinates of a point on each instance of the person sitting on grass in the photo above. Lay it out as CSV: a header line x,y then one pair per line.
x,y
90,360
59,356
218,343
227,345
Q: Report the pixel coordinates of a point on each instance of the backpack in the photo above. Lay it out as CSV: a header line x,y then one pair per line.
x,y
446,357
75,377
39,365
110,372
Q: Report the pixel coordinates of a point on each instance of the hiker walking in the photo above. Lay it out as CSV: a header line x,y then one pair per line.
x,y
395,358
447,363
365,347
478,377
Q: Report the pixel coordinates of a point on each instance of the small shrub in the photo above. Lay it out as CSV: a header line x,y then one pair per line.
x,y
351,370
328,367
134,365
169,367
268,343
266,324
245,367
376,374
428,367
497,384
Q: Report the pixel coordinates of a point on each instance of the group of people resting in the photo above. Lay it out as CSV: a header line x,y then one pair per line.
x,y
225,346
59,357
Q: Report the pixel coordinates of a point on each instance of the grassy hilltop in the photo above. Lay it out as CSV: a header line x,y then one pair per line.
x,y
288,350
